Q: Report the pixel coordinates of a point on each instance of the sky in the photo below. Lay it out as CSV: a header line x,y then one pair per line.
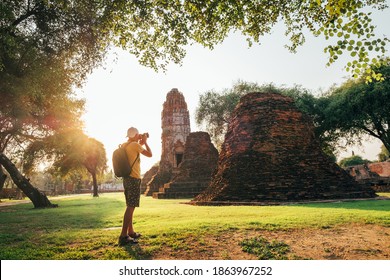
x,y
123,93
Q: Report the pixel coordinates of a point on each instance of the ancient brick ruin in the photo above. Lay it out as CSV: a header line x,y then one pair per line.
x,y
368,170
375,175
194,173
147,177
270,155
175,125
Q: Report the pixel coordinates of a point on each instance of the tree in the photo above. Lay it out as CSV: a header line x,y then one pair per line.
x,y
46,48
85,152
157,31
70,32
34,107
358,109
69,151
384,154
352,160
38,198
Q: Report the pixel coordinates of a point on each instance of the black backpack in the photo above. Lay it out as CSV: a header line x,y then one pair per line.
x,y
120,163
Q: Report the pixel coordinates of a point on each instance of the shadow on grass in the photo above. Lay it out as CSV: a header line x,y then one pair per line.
x,y
137,251
94,213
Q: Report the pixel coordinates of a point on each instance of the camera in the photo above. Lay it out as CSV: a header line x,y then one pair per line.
x,y
146,134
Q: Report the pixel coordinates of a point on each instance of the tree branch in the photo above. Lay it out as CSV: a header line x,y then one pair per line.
x,y
370,132
28,14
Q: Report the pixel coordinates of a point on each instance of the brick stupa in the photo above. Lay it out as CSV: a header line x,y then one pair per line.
x,y
270,156
194,173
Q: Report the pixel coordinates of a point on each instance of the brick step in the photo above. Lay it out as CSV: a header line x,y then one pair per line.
x,y
175,195
180,190
186,187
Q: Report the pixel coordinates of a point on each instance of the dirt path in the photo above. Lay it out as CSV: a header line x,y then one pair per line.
x,y
353,242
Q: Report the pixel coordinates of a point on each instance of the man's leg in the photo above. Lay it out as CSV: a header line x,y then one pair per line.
x,y
127,220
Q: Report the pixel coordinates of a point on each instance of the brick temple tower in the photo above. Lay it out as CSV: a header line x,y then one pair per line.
x,y
175,125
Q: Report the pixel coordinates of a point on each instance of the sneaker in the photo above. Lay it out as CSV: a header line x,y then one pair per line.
x,y
123,240
135,235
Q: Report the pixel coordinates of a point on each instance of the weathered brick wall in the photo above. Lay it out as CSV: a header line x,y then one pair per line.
x,y
270,154
194,173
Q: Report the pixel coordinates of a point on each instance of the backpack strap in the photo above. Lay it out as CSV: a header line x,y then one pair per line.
x,y
131,168
134,161
127,143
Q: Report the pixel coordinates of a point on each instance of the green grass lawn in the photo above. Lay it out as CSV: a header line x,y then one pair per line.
x,y
84,227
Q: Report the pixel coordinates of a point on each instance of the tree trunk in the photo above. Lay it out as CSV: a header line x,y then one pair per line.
x,y
38,198
386,141
95,186
2,177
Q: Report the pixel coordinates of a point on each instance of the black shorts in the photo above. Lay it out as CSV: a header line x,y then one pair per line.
x,y
132,188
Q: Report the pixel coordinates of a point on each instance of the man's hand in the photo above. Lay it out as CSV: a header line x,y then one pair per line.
x,y
143,139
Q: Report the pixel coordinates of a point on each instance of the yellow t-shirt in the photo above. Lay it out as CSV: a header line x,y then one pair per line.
x,y
133,149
